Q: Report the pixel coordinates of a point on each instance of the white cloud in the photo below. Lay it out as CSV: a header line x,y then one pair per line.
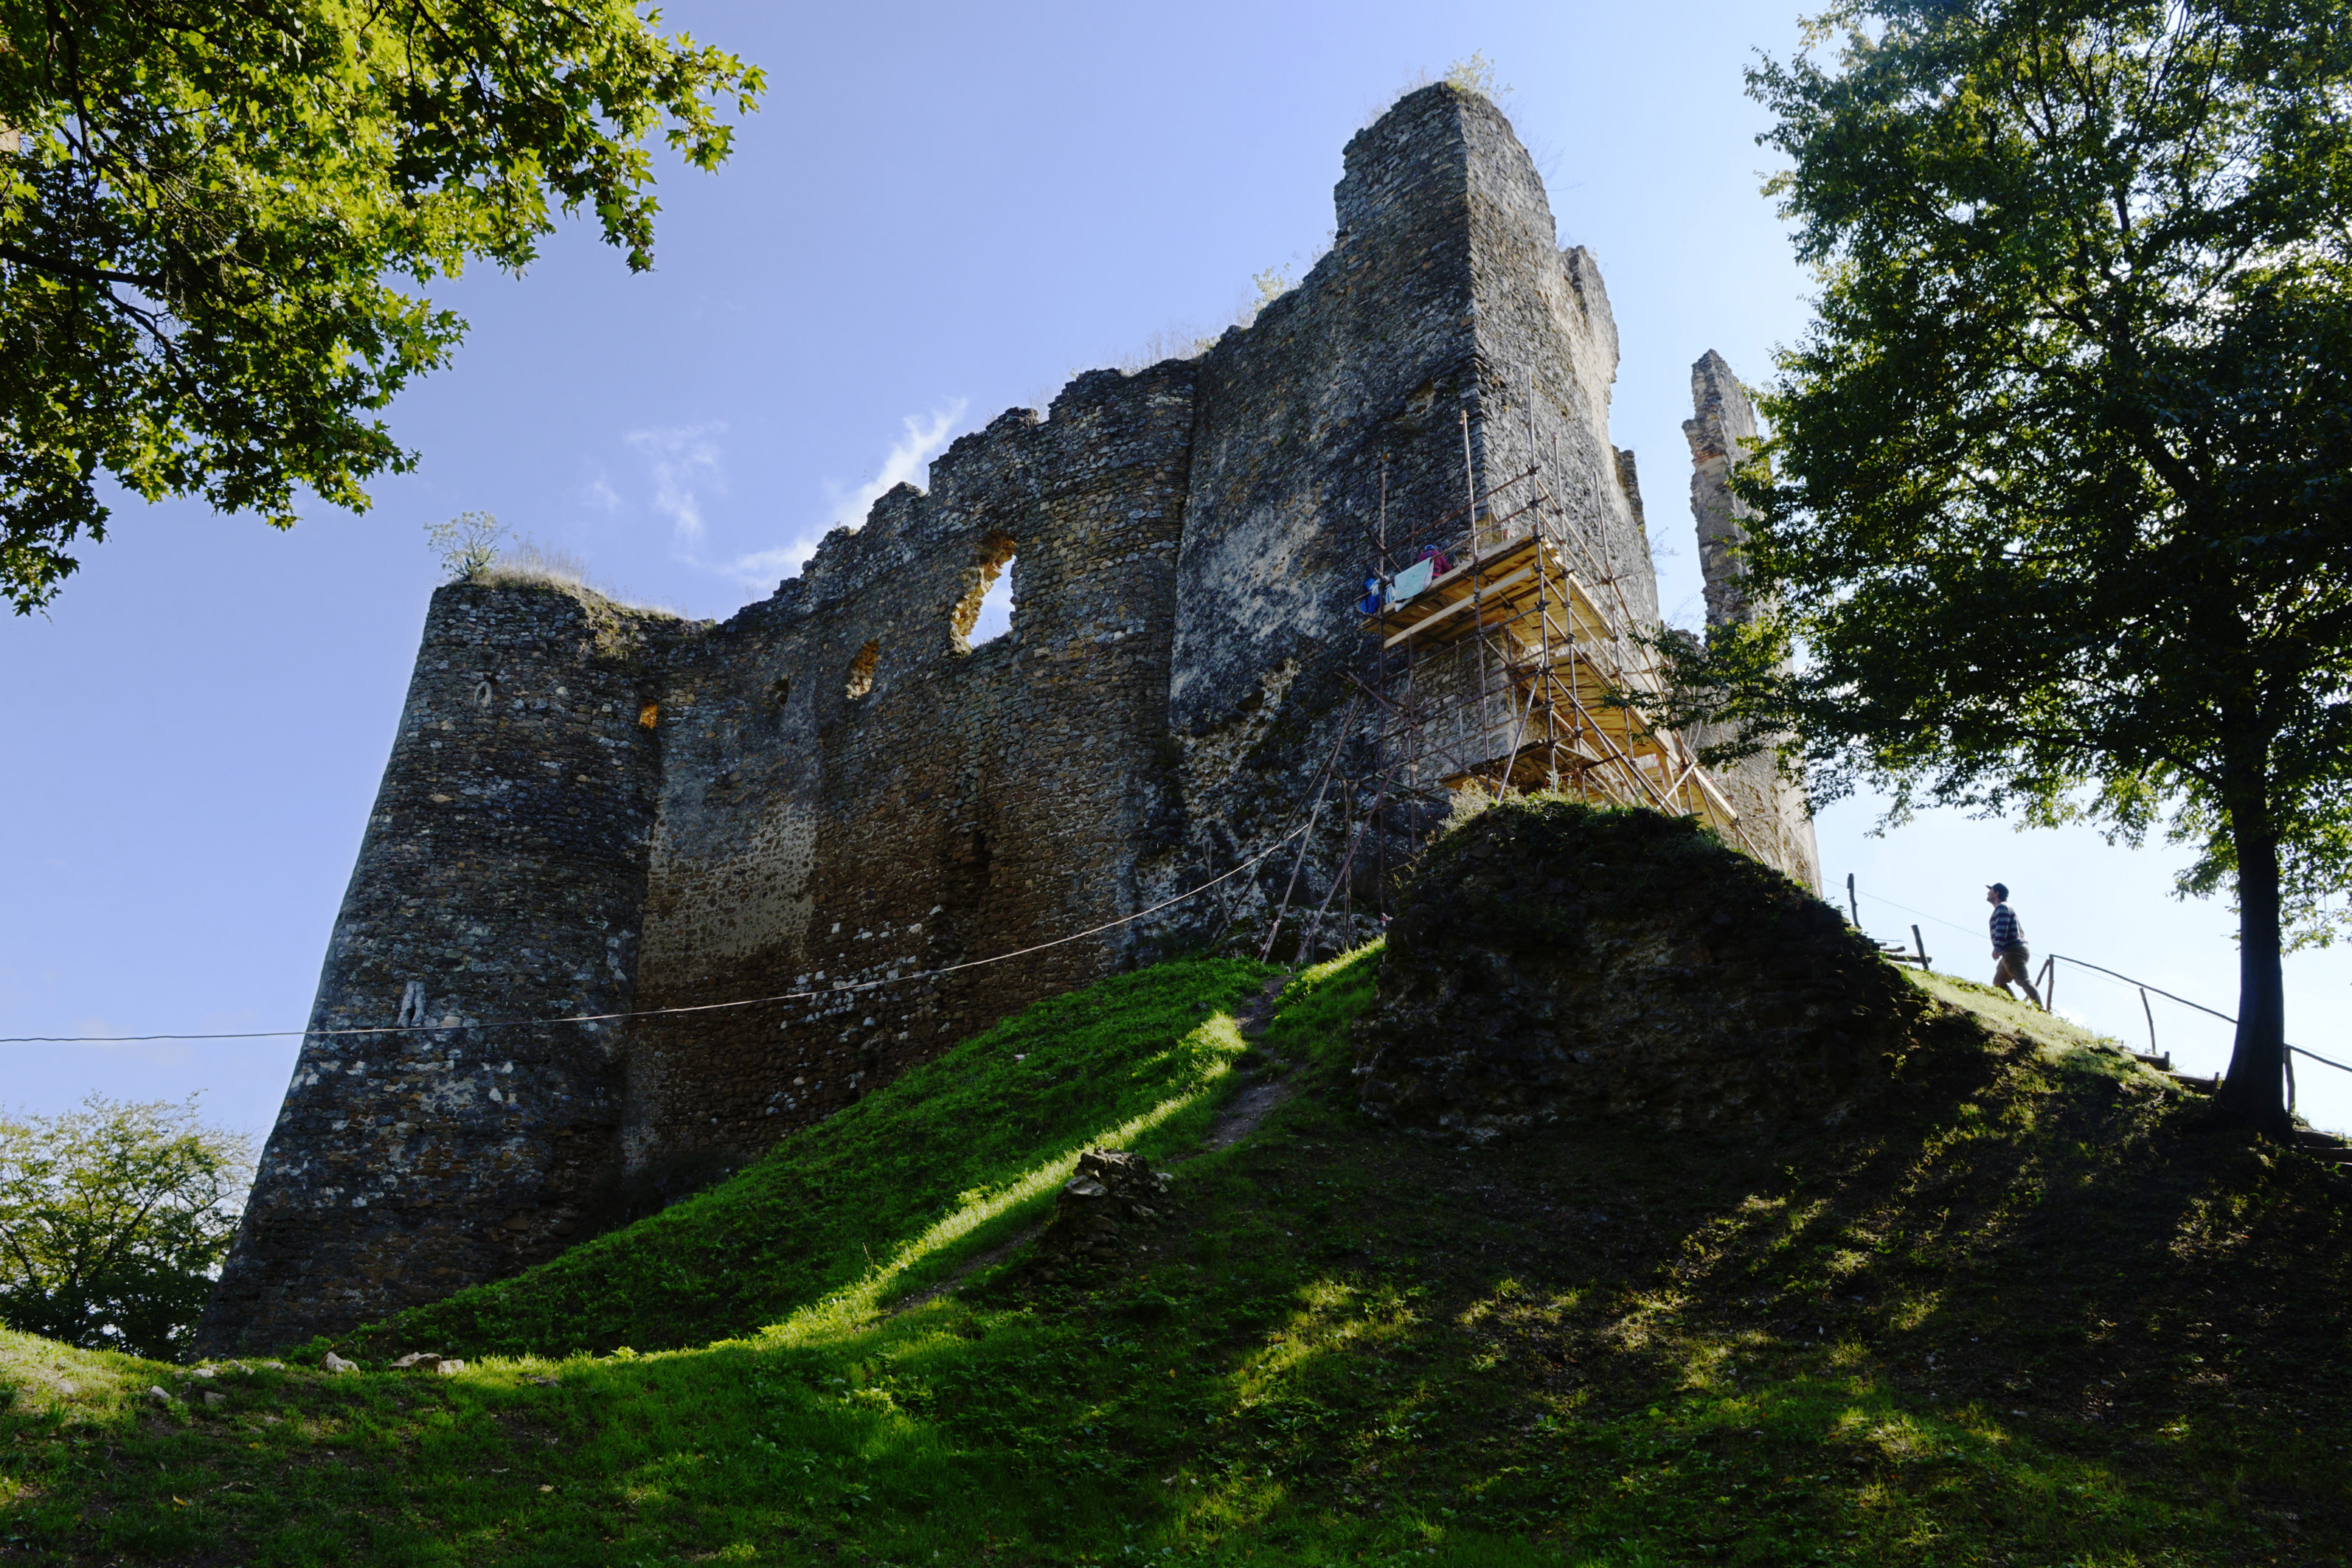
x,y
926,438
685,461
600,494
924,441
763,569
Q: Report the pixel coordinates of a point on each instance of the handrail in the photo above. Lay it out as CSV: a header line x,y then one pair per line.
x,y
2113,974
2200,1006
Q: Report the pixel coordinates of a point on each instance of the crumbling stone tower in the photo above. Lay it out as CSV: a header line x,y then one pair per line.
x,y
795,847
1721,429
1722,432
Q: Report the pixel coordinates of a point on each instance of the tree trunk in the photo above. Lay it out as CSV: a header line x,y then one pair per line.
x,y
2255,1091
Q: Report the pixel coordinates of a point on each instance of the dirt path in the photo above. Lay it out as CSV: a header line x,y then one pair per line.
x,y
972,1265
1241,1115
1237,1120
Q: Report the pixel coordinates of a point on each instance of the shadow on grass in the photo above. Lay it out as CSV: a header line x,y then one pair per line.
x,y
2030,1316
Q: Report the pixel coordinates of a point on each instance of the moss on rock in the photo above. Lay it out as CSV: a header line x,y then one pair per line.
x,y
1553,961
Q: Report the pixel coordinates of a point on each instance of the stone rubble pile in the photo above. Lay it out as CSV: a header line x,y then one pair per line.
x,y
1552,961
1112,1193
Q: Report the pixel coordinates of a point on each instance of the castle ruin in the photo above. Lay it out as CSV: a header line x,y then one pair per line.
x,y
832,798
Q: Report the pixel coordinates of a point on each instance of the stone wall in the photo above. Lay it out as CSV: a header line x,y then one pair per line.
x,y
1723,433
972,801
1443,294
502,876
1365,366
812,810
1554,962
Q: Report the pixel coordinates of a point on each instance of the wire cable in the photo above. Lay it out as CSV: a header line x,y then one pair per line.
x,y
1921,913
842,989
848,988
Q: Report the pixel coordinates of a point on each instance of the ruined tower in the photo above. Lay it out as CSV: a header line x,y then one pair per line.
x,y
502,875
798,847
1722,432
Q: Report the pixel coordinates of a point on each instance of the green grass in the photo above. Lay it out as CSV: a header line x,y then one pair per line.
x,y
960,1153
2034,1315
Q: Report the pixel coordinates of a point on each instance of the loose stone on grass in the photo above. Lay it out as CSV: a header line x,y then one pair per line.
x,y
1112,1192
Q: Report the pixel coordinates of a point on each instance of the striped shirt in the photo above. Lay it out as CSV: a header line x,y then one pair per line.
x,y
2006,932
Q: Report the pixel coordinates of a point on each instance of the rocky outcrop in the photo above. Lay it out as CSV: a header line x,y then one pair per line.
x,y
1553,962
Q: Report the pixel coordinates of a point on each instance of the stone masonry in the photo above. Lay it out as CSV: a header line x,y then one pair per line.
x,y
1551,963
1722,433
1721,430
502,875
591,810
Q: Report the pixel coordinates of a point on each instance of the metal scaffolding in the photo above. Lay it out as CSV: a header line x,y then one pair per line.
x,y
1502,655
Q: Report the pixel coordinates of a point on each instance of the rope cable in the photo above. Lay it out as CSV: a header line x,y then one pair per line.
x,y
836,990
851,987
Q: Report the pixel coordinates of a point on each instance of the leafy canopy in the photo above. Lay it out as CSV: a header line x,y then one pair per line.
x,y
214,207
114,1219
2054,514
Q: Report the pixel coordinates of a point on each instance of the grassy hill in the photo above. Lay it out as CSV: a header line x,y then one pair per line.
x,y
2033,1314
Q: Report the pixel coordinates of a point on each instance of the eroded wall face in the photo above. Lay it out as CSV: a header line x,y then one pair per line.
x,y
1352,383
1547,360
1339,414
502,876
967,804
1722,432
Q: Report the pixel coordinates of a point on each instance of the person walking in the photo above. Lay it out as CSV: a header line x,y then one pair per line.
x,y
2009,946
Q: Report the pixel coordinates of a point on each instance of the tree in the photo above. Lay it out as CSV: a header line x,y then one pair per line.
x,y
2053,514
114,1219
466,545
210,204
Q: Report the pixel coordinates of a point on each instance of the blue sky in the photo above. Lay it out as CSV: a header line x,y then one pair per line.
x,y
943,212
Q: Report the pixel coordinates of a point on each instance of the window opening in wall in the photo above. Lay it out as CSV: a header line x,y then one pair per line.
x,y
780,689
861,670
649,715
985,612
